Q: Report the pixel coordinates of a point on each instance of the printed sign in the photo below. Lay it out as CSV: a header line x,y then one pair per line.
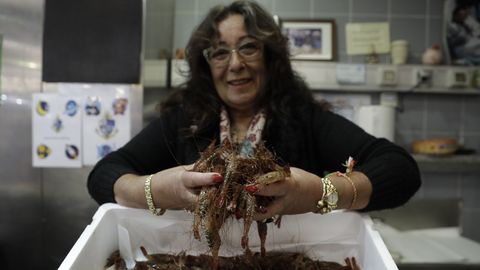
x,y
367,38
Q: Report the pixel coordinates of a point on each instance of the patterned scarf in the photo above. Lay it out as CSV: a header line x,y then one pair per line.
x,y
253,136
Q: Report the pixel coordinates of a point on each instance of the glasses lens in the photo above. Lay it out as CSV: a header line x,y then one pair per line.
x,y
219,55
249,50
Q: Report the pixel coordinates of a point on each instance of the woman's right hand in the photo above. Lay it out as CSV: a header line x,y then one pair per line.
x,y
178,187
174,188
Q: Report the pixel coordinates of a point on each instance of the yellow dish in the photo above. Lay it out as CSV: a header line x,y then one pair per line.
x,y
440,146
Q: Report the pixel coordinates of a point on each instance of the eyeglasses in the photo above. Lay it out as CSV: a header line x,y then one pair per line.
x,y
220,57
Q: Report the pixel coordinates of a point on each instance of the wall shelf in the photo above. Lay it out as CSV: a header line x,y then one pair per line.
x,y
448,164
400,90
321,76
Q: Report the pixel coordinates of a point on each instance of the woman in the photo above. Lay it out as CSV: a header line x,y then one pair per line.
x,y
241,79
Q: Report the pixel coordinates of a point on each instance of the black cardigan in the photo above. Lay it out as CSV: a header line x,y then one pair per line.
x,y
322,142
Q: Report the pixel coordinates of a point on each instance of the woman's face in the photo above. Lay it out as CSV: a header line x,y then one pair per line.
x,y
239,81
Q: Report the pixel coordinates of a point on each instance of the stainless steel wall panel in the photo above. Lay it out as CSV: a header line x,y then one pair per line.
x,y
21,27
21,210
42,211
68,209
20,186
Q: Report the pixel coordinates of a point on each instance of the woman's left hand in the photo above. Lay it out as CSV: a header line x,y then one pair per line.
x,y
298,193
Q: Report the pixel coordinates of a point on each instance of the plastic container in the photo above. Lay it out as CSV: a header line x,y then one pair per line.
x,y
399,51
331,237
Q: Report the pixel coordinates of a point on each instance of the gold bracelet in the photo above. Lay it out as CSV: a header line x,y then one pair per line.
x,y
355,193
148,196
329,199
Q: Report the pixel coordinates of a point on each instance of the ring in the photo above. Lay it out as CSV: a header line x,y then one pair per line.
x,y
268,220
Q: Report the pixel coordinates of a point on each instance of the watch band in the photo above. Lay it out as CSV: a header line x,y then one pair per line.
x,y
149,198
329,199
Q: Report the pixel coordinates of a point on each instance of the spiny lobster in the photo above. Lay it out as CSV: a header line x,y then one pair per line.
x,y
232,197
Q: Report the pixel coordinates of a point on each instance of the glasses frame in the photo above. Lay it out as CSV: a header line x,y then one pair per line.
x,y
237,49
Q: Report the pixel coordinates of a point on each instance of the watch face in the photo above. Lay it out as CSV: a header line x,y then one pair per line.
x,y
332,198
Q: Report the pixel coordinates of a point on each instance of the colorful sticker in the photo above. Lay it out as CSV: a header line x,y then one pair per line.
x,y
93,106
57,125
42,107
71,151
119,106
103,150
106,127
43,151
71,108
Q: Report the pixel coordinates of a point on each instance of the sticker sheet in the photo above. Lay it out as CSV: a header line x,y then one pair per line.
x,y
106,117
56,128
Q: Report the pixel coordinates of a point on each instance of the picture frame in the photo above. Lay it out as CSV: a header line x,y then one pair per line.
x,y
310,39
461,35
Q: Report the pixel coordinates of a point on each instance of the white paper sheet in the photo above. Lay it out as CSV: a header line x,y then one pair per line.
x,y
320,239
56,126
331,237
106,117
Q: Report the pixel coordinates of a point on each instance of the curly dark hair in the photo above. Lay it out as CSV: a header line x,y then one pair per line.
x,y
285,92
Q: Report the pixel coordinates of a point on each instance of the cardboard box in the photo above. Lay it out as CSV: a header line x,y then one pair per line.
x,y
331,237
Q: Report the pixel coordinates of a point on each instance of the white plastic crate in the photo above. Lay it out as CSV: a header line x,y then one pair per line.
x,y
331,237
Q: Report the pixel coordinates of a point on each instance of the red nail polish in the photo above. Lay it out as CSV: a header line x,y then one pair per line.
x,y
217,178
251,188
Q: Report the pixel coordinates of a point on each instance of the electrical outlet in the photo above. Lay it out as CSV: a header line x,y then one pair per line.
x,y
422,77
387,76
457,78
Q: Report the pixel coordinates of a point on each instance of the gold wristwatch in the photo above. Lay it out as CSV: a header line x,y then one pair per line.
x,y
329,199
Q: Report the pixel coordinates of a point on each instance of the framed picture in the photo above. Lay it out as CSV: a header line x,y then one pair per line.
x,y
462,32
311,39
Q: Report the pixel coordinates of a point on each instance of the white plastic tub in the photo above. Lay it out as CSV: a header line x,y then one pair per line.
x,y
331,237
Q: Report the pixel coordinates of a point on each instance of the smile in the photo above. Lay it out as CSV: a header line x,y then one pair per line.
x,y
239,82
